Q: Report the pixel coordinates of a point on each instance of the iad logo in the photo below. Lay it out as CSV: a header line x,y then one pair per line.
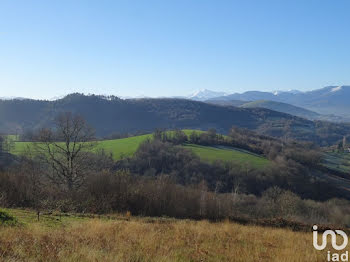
x,y
333,237
330,256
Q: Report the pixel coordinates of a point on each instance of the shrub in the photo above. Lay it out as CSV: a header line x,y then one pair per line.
x,y
6,219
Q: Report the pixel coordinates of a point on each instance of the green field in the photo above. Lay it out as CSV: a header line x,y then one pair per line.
x,y
226,154
126,147
123,147
337,161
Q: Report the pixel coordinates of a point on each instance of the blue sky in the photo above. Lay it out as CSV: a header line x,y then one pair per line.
x,y
168,47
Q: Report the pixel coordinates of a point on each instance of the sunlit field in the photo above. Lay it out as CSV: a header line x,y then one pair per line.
x,y
126,147
226,154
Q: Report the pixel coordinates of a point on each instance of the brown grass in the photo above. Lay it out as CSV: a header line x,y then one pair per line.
x,y
140,240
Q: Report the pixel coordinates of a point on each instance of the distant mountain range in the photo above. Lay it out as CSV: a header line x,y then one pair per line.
x,y
280,107
331,103
111,114
328,103
325,101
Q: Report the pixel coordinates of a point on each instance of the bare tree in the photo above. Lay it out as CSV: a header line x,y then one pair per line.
x,y
65,149
2,139
35,181
6,144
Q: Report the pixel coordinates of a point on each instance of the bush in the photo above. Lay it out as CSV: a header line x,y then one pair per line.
x,y
6,219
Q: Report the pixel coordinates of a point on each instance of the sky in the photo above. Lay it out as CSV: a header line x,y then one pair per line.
x,y
171,48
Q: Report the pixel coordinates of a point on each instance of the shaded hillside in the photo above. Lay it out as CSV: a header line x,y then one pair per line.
x,y
111,114
283,107
18,114
227,102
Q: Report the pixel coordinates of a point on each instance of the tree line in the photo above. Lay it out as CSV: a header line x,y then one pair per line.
x,y
60,172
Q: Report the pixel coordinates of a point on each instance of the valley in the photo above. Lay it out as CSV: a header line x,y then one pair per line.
x,y
174,131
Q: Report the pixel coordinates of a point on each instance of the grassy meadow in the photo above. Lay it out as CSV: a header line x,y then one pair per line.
x,y
126,147
123,147
127,238
226,154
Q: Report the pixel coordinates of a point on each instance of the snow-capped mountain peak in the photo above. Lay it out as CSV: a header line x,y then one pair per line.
x,y
291,91
205,94
335,89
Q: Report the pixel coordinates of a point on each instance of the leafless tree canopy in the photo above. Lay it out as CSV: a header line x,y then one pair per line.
x,y
65,148
6,144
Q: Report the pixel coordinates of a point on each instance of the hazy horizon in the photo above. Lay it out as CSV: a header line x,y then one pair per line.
x,y
164,49
159,96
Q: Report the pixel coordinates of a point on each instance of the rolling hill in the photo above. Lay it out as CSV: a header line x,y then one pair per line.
x,y
282,107
111,114
228,154
126,147
236,103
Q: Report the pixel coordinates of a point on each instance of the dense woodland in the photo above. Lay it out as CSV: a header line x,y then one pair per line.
x,y
164,179
113,115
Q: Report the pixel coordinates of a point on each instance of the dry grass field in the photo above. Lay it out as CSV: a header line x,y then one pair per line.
x,y
146,239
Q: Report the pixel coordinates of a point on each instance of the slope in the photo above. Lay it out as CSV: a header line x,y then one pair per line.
x,y
126,147
111,114
282,107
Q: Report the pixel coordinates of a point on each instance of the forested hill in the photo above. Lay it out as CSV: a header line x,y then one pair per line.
x,y
111,114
